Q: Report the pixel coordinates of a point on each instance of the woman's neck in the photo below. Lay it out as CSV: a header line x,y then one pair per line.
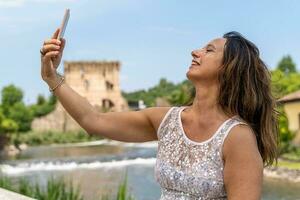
x,y
205,105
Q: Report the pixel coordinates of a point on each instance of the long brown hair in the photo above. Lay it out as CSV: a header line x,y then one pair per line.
x,y
245,89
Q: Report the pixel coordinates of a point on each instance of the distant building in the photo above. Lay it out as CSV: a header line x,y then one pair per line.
x,y
291,105
98,82
136,105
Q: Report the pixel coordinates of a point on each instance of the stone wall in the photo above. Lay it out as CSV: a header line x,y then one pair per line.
x,y
98,82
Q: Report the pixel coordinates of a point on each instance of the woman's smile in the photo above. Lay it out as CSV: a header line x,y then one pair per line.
x,y
195,63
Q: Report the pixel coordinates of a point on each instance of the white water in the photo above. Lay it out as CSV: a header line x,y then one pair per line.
x,y
60,166
109,142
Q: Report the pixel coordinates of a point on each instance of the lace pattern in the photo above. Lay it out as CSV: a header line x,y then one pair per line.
x,y
186,169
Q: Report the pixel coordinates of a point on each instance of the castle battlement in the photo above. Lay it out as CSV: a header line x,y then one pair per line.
x,y
97,81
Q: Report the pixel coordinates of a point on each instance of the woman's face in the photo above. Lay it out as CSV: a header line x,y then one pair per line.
x,y
207,61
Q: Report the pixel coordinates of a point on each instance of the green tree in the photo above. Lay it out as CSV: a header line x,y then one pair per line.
x,y
285,135
52,99
41,100
162,89
182,94
8,126
22,115
283,84
1,120
286,65
43,106
17,117
11,95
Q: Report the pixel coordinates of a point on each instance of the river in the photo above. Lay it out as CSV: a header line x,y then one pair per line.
x,y
99,167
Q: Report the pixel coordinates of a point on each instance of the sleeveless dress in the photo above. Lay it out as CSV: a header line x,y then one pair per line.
x,y
189,170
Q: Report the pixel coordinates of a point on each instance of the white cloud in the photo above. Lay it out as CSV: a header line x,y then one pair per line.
x,y
11,3
18,3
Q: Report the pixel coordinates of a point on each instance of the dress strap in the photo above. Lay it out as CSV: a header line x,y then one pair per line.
x,y
228,126
163,122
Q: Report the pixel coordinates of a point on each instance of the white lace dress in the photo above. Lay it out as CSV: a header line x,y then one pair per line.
x,y
189,170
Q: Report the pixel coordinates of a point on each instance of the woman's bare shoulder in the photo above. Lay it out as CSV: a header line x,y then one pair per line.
x,y
156,114
240,141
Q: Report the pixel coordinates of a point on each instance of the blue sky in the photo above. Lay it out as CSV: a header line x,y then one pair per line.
x,y
152,39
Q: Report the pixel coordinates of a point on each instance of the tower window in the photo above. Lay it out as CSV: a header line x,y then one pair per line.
x,y
86,84
109,86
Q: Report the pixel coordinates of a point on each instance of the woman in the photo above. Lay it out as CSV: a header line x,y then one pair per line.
x,y
232,101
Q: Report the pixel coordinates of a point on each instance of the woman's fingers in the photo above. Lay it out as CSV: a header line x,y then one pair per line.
x,y
50,47
55,34
54,45
50,55
52,41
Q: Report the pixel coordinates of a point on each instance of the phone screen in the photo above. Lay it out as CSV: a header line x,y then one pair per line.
x,y
64,24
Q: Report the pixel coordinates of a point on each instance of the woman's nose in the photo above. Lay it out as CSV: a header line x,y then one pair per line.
x,y
197,53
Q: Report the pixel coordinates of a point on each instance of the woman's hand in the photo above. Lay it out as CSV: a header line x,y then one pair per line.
x,y
51,54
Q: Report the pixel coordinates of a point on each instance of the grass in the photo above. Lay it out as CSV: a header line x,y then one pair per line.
x,y
122,191
50,137
293,155
57,189
289,164
122,194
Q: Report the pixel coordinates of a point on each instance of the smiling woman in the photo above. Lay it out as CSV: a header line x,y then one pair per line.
x,y
213,148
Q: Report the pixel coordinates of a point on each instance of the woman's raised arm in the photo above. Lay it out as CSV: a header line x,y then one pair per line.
x,y
129,126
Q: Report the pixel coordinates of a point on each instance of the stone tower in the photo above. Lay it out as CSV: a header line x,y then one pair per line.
x,y
98,82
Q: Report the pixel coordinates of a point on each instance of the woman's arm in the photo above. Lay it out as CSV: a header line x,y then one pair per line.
x,y
130,126
243,170
127,126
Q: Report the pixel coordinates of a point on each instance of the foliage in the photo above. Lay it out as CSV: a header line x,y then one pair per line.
x,y
285,80
163,88
8,125
11,95
283,84
15,115
122,191
182,94
285,135
122,194
289,164
40,100
22,115
293,155
6,183
50,137
55,189
43,106
286,65
175,93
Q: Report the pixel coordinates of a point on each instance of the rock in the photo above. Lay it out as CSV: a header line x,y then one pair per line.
x,y
23,146
11,150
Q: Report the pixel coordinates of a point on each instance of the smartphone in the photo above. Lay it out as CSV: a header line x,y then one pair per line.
x,y
64,24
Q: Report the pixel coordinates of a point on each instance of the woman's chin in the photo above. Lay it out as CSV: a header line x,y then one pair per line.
x,y
193,68
192,73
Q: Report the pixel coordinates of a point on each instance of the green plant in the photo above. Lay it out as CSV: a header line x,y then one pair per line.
x,y
122,194
285,135
6,183
49,137
56,189
122,191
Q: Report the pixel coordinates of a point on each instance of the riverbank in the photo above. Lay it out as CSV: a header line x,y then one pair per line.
x,y
17,142
285,170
